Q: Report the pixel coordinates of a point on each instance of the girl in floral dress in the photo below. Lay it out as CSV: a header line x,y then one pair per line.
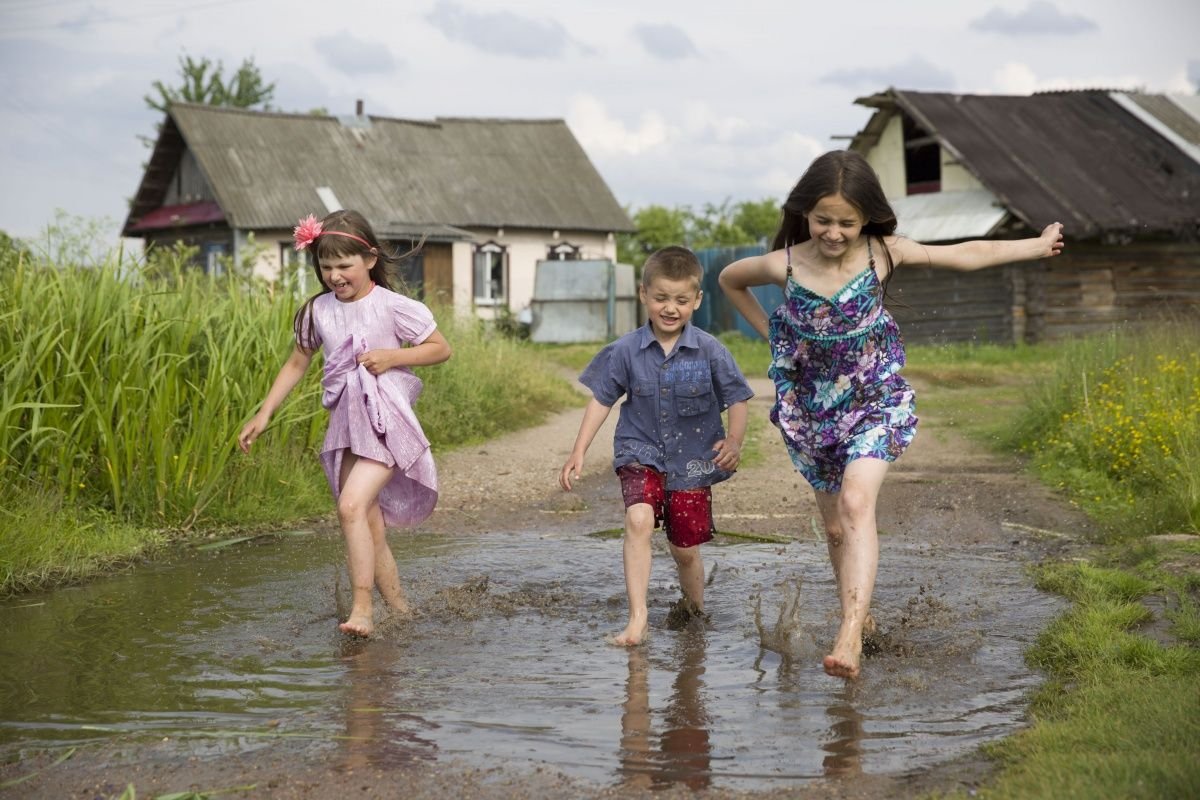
x,y
843,409
376,456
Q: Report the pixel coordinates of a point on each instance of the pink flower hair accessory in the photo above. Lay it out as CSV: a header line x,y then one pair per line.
x,y
306,232
309,230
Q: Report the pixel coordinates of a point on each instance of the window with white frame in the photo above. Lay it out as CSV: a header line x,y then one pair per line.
x,y
491,274
563,251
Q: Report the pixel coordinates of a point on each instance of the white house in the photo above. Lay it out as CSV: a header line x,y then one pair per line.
x,y
491,197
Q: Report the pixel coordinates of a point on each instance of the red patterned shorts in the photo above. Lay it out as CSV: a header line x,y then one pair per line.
x,y
685,515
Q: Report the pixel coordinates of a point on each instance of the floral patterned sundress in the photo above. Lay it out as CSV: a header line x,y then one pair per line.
x,y
836,363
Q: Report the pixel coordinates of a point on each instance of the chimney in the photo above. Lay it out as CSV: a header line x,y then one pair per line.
x,y
358,108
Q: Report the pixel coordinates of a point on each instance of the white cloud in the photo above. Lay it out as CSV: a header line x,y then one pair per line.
x,y
351,55
667,42
1039,18
500,32
915,73
1018,78
599,131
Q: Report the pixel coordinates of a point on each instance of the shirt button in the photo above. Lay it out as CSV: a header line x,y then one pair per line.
x,y
664,391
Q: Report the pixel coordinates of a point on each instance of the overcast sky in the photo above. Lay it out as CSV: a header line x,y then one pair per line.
x,y
686,102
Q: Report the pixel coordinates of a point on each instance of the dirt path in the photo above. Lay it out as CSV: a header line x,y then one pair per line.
x,y
946,493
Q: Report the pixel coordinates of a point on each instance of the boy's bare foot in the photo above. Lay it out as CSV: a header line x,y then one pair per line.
x,y
843,661
357,625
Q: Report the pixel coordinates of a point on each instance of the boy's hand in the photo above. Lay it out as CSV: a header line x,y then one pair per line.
x,y
728,454
570,471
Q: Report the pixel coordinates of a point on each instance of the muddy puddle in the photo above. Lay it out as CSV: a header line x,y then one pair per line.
x,y
232,650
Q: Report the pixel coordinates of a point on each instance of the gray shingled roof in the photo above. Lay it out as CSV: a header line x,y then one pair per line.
x,y
265,169
1074,157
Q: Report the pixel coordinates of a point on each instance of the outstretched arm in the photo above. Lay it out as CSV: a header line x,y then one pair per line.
x,y
736,280
978,253
434,350
289,375
593,417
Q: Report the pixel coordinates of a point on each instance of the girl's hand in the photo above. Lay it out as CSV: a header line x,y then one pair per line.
x,y
1052,239
377,362
252,431
728,454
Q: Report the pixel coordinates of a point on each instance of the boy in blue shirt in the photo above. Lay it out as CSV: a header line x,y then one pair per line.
x,y
670,446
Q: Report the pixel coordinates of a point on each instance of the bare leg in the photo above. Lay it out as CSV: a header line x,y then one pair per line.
x,y
362,480
639,525
387,576
691,574
853,541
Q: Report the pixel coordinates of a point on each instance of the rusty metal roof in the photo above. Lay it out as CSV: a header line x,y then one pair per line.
x,y
265,170
1074,157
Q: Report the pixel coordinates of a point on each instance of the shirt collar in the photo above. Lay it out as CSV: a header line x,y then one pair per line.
x,y
687,337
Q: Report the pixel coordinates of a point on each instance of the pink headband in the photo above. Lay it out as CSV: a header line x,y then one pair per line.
x,y
310,228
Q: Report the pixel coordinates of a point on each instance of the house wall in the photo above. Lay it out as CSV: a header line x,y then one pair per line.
x,y
887,159
955,176
188,184
1091,287
524,247
943,305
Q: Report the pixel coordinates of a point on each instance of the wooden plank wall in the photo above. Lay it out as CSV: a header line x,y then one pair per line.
x,y
941,305
1093,287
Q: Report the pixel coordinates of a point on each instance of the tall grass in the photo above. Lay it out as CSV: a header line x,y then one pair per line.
x,y
124,389
1117,425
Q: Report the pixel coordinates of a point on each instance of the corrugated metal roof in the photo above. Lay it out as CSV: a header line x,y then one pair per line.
x,y
265,168
1170,119
948,216
1073,157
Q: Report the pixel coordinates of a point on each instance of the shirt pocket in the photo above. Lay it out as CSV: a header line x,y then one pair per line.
x,y
693,398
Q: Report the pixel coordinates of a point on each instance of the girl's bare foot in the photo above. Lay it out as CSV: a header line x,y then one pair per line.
x,y
843,661
357,625
634,633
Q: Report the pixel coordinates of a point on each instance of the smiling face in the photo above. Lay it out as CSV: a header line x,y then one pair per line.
x,y
670,303
348,277
835,225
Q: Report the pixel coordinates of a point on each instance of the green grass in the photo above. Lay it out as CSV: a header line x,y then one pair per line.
x,y
126,384
1120,714
1117,425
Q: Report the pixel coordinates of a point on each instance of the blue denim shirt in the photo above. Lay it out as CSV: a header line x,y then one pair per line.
x,y
671,417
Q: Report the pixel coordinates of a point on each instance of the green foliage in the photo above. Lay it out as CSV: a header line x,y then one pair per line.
x,y
724,225
203,82
126,384
1120,716
1117,425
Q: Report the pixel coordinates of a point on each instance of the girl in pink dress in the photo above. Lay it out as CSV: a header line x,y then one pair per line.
x,y
376,456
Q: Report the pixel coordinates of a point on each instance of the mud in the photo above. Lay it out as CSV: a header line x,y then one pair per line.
x,y
219,669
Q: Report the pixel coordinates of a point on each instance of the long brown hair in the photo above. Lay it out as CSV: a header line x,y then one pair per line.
x,y
332,247
847,173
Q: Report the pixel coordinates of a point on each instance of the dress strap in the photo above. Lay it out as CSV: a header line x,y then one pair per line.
x,y
870,254
788,251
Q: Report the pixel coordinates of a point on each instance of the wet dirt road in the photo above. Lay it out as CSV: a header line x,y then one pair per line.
x,y
218,669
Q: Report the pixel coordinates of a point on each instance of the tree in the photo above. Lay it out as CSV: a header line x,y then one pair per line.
x,y
202,82
725,225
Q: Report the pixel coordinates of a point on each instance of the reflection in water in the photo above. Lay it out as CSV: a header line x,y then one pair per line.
x,y
684,751
845,750
378,733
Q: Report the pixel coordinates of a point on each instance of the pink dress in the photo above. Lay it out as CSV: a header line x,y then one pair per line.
x,y
371,415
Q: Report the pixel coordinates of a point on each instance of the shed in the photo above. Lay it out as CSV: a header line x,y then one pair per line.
x,y
1118,169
